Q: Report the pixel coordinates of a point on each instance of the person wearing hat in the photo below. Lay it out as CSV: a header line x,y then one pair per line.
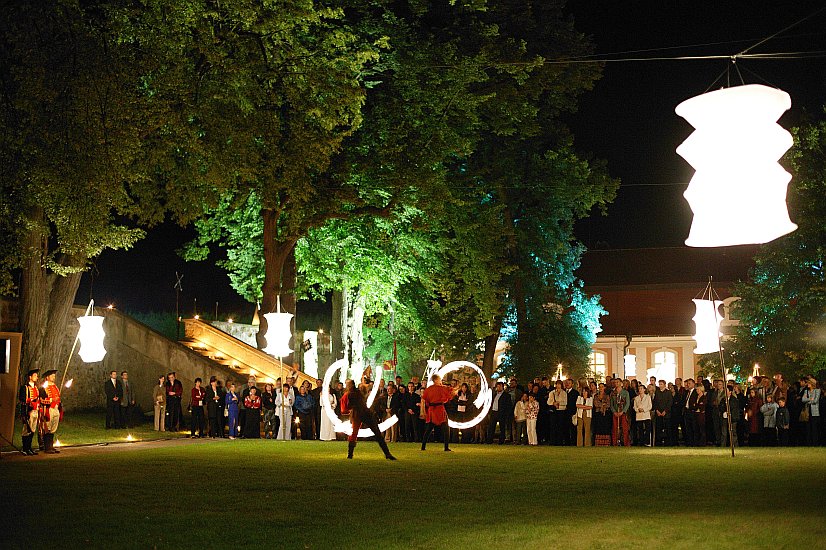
x,y
51,410
29,401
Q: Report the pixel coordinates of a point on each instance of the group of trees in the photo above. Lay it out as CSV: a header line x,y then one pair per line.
x,y
407,156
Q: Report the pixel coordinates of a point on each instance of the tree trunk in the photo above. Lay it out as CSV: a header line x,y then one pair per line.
x,y
46,301
348,331
336,341
488,366
279,275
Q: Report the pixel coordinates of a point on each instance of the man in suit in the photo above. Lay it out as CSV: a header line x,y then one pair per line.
x,y
315,393
411,412
689,417
717,401
393,406
114,393
569,433
127,402
662,403
500,412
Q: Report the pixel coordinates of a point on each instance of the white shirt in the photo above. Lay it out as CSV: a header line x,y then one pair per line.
x,y
588,402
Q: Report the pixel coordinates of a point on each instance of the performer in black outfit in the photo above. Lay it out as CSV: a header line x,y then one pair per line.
x,y
354,403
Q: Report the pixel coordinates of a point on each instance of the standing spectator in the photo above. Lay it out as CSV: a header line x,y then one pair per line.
x,y
717,403
411,407
661,405
500,413
252,420
558,405
755,426
174,393
632,387
532,414
242,402
402,415
811,404
159,399
393,407
620,403
677,423
543,423
268,406
736,415
315,393
782,421
114,392
769,412
196,407
697,414
215,407
304,405
584,412
570,422
642,410
515,392
328,430
464,402
231,403
284,409
127,404
690,418
601,417
520,418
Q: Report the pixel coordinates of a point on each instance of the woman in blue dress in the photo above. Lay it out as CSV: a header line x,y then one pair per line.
x,y
231,401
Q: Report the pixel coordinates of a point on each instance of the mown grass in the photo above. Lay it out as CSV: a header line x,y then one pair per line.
x,y
226,494
88,427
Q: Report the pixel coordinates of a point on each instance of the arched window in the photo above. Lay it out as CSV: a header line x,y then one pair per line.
x,y
665,365
596,363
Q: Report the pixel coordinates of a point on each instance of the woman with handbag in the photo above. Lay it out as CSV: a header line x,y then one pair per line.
x,y
811,412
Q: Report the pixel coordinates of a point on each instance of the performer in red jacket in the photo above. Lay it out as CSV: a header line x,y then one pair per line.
x,y
51,410
435,396
354,403
29,403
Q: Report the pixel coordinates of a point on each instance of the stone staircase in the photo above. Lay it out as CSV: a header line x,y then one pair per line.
x,y
236,355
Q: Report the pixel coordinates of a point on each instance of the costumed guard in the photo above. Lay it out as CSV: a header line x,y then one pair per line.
x,y
434,397
51,410
29,403
354,403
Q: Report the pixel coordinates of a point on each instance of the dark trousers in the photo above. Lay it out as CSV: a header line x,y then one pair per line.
x,y
316,422
173,414
369,421
197,421
126,416
643,428
813,431
691,429
242,420
305,422
495,418
112,414
783,436
445,428
661,430
411,427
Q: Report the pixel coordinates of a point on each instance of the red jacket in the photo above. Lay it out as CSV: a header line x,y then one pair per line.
x,y
435,398
197,397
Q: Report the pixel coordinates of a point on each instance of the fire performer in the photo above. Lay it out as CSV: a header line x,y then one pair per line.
x,y
434,397
51,410
29,402
354,403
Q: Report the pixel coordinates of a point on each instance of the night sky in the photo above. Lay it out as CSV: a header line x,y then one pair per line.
x,y
628,119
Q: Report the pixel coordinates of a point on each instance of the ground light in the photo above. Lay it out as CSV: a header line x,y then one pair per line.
x,y
738,192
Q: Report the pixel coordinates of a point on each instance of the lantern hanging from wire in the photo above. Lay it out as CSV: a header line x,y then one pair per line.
x,y
738,192
707,319
278,333
90,336
629,363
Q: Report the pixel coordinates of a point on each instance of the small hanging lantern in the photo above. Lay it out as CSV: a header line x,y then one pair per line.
x,y
738,193
278,333
91,336
630,364
707,319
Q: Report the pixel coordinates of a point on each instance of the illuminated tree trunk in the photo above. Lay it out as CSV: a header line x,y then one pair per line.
x,y
352,330
279,274
46,300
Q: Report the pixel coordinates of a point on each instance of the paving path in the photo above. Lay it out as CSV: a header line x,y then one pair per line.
x,y
84,450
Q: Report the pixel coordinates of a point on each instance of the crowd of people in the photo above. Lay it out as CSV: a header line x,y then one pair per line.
x,y
585,412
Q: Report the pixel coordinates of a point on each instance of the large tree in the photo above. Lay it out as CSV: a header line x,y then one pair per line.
x,y
782,307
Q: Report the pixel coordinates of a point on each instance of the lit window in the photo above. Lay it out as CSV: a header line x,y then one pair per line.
x,y
665,366
596,364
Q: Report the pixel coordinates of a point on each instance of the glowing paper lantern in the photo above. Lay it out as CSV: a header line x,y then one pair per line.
x,y
91,336
482,402
311,354
707,319
630,364
738,193
346,427
278,334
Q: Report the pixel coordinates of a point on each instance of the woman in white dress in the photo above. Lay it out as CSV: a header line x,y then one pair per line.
x,y
328,432
284,410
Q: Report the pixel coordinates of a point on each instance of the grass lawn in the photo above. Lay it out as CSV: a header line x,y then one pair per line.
x,y
269,494
86,428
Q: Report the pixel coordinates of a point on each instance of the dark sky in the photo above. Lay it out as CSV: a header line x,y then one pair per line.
x,y
628,119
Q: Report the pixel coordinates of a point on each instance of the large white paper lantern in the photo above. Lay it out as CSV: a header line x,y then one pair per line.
x,y
91,336
629,363
278,334
738,193
707,319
